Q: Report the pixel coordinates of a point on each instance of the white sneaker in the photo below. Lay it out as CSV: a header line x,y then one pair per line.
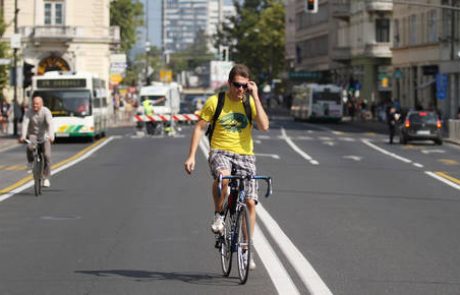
x,y
218,225
46,182
252,264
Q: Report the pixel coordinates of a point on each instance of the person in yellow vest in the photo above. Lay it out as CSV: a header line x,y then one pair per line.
x,y
149,111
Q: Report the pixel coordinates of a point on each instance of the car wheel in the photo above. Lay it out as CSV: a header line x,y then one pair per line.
x,y
438,141
403,139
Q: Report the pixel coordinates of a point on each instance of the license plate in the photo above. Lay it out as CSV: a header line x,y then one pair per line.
x,y
423,132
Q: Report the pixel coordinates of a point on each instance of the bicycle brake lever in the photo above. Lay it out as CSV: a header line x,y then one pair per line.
x,y
269,187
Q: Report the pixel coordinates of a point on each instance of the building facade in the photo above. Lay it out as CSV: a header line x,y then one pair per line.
x,y
183,19
65,35
426,48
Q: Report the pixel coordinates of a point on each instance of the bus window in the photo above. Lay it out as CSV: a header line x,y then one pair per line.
x,y
66,102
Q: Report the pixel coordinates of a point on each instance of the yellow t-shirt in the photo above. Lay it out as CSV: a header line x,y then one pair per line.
x,y
232,130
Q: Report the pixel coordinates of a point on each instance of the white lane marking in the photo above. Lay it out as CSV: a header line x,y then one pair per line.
x,y
263,137
368,143
329,143
277,272
274,156
302,138
450,183
297,149
418,165
258,141
352,157
304,269
53,172
325,138
433,151
349,139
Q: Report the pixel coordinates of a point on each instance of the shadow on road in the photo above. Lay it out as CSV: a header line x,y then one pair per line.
x,y
142,275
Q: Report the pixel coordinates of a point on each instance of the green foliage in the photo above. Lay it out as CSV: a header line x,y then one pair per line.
x,y
138,67
4,53
194,56
128,15
256,37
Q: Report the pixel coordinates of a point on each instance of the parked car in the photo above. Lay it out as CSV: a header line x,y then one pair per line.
x,y
421,125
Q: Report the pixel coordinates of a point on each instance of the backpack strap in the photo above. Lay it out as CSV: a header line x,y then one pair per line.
x,y
219,107
247,108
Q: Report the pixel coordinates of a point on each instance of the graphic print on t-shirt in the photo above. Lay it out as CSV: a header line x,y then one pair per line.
x,y
234,122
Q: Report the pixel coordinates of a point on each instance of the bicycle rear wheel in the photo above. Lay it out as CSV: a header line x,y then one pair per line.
x,y
36,168
226,244
243,244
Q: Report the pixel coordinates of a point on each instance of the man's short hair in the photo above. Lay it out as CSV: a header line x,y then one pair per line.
x,y
239,70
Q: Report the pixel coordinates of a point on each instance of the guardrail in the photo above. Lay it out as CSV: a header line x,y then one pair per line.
x,y
454,130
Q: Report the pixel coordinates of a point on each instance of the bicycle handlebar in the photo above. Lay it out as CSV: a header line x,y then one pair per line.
x,y
267,179
38,141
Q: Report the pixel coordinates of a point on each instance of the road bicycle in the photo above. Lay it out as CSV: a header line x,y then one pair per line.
x,y
236,236
38,165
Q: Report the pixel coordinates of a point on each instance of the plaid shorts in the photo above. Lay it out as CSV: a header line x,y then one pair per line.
x,y
244,164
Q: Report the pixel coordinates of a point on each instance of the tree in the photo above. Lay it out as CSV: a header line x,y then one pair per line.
x,y
137,68
4,53
256,37
128,16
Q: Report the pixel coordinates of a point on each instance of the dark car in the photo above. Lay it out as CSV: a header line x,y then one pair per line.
x,y
421,125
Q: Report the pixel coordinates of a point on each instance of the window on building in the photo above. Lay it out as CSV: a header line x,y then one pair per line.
x,y
413,30
54,13
397,34
432,27
382,30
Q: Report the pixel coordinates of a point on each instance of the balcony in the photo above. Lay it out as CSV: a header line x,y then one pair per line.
x,y
341,9
341,54
50,33
381,50
375,6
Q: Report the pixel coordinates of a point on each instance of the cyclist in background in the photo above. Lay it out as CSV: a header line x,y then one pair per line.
x,y
231,143
37,125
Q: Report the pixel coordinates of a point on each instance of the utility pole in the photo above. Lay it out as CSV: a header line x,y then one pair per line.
x,y
15,73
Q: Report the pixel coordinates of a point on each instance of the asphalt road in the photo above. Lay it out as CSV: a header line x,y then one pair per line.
x,y
355,214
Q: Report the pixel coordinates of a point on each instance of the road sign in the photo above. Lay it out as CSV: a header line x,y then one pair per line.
x,y
166,76
442,82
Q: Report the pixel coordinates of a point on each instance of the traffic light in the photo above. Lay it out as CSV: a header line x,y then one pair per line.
x,y
311,6
27,73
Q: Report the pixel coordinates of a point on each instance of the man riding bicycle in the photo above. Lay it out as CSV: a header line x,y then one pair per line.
x,y
37,125
231,141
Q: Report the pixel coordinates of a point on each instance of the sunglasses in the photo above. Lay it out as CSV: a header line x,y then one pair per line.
x,y
239,85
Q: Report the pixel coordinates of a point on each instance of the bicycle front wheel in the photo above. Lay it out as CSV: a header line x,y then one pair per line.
x,y
226,243
243,244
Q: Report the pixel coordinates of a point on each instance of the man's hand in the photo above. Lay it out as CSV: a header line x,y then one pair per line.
x,y
189,165
252,88
21,139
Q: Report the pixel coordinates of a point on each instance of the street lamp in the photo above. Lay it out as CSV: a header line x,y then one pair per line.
x,y
147,50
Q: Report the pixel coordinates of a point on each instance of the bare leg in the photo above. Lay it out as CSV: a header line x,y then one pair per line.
x,y
219,200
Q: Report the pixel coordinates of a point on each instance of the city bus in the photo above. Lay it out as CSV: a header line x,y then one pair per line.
x,y
79,103
317,102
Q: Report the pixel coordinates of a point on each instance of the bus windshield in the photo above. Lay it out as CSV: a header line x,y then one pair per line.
x,y
64,103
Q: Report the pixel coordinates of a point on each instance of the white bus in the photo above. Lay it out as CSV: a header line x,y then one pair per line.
x,y
79,103
317,102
